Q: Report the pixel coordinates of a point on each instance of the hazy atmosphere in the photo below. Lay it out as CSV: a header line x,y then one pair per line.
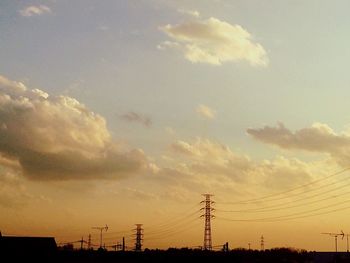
x,y
126,112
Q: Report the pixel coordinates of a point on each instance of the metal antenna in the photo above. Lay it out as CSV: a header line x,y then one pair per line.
x,y
335,235
208,216
101,228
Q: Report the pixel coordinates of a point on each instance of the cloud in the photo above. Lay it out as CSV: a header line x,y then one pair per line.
x,y
58,138
215,42
212,157
168,44
318,138
284,173
35,10
193,13
192,167
169,130
223,168
138,194
205,111
12,191
137,117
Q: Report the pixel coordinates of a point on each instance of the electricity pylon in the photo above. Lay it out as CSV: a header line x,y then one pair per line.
x,y
207,216
101,228
335,235
138,239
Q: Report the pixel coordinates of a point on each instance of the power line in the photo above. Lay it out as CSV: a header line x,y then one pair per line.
x,y
282,206
175,232
284,219
119,232
174,223
303,212
287,191
170,220
170,229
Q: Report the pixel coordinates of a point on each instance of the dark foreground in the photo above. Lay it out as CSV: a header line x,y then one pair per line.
x,y
176,255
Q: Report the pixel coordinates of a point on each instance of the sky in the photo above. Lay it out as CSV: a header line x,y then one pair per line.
x,y
126,112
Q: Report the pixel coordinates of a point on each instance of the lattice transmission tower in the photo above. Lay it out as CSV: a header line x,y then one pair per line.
x,y
139,237
207,209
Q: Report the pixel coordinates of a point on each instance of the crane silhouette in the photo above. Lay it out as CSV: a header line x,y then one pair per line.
x,y
101,228
335,235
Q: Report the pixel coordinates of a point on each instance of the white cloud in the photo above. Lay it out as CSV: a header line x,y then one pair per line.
x,y
35,10
168,44
215,42
58,138
205,111
317,138
193,13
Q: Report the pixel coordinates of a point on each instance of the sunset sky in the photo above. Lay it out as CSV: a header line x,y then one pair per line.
x,y
125,112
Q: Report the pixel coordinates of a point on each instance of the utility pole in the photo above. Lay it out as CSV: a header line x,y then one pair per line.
x,y
115,247
262,243
89,242
139,237
248,246
207,216
119,246
225,247
347,243
101,228
123,246
335,235
81,243
347,240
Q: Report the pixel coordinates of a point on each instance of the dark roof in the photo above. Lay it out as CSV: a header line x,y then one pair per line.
x,y
33,244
